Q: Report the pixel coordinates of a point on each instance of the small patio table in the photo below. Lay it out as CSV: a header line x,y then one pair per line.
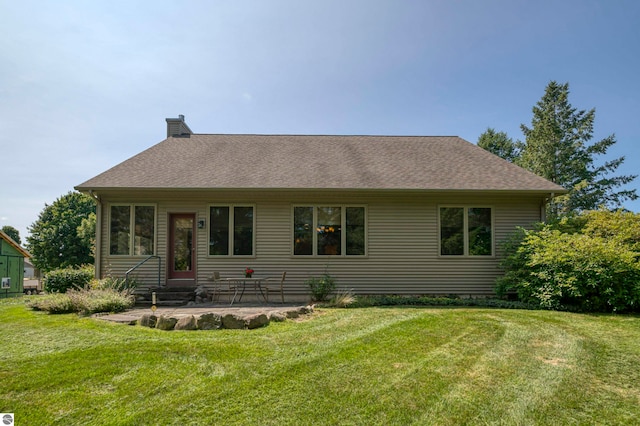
x,y
241,284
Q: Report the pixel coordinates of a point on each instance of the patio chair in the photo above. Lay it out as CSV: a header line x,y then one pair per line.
x,y
275,288
217,287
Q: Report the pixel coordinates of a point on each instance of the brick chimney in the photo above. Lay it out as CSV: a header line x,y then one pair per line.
x,y
177,128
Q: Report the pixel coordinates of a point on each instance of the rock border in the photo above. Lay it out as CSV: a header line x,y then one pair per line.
x,y
215,321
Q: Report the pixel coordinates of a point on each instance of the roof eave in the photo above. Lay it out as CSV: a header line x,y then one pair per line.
x,y
545,191
15,245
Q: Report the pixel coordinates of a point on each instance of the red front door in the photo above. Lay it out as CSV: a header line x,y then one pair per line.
x,y
182,249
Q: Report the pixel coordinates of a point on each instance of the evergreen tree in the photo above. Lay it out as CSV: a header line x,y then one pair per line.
x,y
557,148
54,241
500,144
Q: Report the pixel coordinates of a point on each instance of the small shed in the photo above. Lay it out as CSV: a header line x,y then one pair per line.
x,y
11,267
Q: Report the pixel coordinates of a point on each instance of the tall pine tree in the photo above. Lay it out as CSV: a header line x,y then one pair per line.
x,y
557,148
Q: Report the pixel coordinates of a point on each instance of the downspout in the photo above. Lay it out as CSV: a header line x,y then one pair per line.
x,y
97,255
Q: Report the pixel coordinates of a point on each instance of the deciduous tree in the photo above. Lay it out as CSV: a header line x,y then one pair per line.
x,y
54,241
499,144
12,232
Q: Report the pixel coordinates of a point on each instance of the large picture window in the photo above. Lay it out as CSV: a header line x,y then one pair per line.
x,y
466,231
231,230
132,230
329,231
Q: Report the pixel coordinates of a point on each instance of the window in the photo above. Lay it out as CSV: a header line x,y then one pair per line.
x,y
303,230
231,230
132,230
328,231
355,231
466,231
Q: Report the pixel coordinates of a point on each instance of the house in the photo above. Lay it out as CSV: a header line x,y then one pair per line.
x,y
11,267
381,214
29,269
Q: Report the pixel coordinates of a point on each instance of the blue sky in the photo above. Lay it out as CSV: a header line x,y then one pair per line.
x,y
85,85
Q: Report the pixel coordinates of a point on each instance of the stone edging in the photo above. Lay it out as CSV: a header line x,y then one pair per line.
x,y
214,321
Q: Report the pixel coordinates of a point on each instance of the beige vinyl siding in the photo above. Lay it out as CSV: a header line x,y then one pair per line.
x,y
402,251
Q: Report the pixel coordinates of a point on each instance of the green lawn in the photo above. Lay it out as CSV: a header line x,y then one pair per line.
x,y
384,366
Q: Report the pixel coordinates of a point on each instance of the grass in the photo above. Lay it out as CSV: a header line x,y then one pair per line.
x,y
373,366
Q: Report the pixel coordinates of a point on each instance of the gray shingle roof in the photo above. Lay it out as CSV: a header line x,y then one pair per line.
x,y
318,162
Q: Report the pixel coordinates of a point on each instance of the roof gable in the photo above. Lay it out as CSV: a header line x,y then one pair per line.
x,y
14,245
446,163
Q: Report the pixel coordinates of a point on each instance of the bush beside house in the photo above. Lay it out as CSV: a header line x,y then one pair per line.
x,y
76,290
587,263
61,280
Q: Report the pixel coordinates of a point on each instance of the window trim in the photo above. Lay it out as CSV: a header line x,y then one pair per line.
x,y
465,225
343,233
132,224
232,207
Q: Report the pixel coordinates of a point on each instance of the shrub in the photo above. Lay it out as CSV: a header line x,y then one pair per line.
x,y
83,301
60,280
114,283
89,302
594,269
56,303
621,226
396,300
321,287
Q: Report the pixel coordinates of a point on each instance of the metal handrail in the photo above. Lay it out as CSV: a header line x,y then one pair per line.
x,y
153,256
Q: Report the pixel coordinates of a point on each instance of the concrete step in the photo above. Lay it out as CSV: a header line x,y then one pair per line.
x,y
166,295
